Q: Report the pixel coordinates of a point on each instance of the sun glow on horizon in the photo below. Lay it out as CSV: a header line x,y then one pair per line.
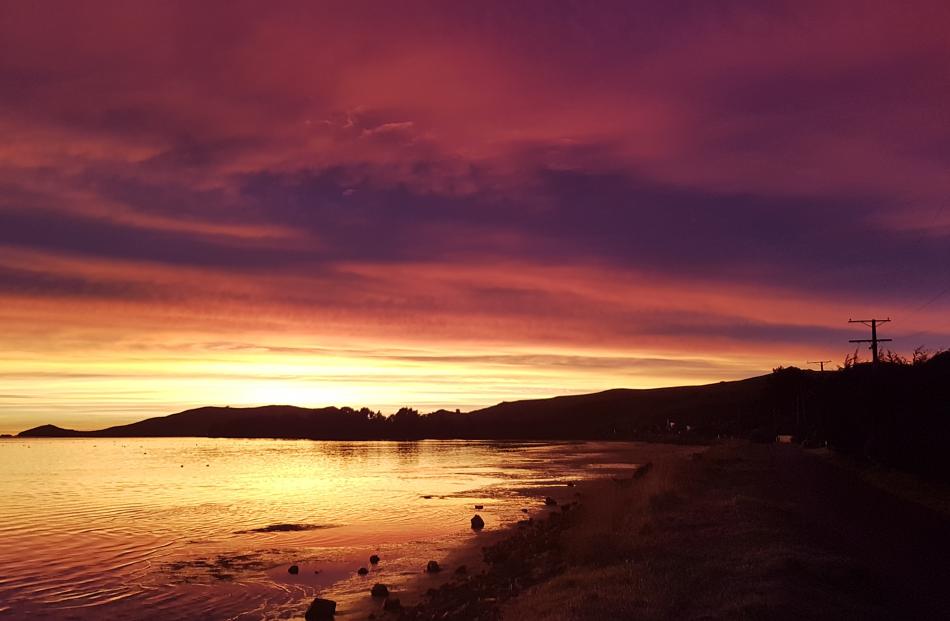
x,y
98,389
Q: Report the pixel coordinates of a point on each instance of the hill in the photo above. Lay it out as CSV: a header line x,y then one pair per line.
x,y
271,421
897,413
713,409
619,413
50,431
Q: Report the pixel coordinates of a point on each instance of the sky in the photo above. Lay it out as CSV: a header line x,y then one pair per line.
x,y
448,204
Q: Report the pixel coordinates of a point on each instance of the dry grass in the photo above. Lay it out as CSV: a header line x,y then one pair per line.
x,y
698,539
931,494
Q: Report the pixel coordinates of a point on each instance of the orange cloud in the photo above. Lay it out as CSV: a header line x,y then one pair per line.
x,y
451,205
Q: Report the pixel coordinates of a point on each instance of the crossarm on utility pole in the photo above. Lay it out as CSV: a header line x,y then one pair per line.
x,y
873,323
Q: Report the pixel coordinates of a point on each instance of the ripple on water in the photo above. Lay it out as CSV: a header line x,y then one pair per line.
x,y
205,528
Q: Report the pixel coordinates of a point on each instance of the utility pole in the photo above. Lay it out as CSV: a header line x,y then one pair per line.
x,y
873,323
821,363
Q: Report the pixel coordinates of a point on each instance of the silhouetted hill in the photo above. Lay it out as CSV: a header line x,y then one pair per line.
x,y
271,421
620,413
726,407
897,413
49,431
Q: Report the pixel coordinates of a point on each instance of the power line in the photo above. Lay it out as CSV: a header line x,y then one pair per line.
x,y
933,299
820,363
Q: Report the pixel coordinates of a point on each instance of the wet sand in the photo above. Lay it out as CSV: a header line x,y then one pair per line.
x,y
411,588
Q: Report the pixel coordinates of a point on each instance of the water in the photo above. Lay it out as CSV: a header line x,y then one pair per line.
x,y
179,528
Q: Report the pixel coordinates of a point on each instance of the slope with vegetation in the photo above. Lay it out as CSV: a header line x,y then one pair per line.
x,y
895,413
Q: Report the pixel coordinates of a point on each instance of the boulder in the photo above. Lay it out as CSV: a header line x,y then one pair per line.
x,y
379,590
432,567
643,470
321,610
550,502
374,559
477,522
392,604
362,571
293,569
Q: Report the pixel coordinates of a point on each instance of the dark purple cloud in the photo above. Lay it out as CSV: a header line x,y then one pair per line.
x,y
660,182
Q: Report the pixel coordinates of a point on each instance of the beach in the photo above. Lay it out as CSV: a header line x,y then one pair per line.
x,y
737,531
573,531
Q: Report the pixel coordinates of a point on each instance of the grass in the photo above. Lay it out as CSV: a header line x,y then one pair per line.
x,y
738,531
699,539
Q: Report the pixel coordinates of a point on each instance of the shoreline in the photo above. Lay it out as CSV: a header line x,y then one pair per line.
x,y
468,555
501,564
737,530
415,591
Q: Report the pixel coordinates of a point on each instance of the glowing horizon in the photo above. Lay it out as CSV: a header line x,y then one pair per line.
x,y
445,206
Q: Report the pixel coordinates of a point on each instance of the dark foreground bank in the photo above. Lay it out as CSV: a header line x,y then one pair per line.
x,y
740,531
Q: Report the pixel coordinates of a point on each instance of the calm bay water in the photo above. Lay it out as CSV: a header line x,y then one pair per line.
x,y
190,528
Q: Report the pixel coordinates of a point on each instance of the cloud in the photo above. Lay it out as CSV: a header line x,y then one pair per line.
x,y
625,181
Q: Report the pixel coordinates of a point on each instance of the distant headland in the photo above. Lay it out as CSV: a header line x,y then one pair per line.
x,y
894,413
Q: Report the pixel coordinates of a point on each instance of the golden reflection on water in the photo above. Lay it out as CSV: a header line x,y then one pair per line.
x,y
177,528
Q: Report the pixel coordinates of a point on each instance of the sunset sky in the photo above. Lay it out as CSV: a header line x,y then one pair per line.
x,y
448,204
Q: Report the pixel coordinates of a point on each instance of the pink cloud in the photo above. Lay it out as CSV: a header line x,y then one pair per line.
x,y
576,177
